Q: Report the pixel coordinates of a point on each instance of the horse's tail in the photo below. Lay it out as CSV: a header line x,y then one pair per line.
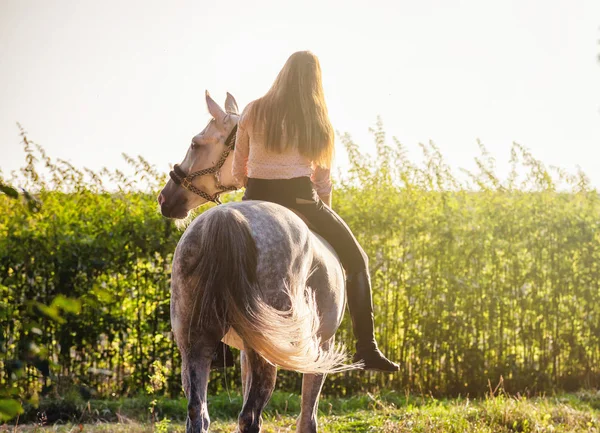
x,y
227,270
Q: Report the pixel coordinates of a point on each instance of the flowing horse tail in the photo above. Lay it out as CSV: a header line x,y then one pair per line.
x,y
228,263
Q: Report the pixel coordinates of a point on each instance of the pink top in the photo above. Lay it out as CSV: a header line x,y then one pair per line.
x,y
252,159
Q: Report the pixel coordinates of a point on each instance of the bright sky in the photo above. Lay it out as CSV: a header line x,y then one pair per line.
x,y
91,79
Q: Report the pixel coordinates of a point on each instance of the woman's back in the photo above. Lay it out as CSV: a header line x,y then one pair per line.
x,y
254,159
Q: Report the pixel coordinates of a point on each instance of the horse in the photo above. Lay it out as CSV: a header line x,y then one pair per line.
x,y
250,274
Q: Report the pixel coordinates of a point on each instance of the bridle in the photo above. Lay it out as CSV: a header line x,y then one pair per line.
x,y
180,178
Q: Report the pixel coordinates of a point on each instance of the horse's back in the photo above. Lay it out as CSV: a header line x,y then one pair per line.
x,y
284,237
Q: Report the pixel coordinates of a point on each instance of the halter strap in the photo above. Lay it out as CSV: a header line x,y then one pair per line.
x,y
180,178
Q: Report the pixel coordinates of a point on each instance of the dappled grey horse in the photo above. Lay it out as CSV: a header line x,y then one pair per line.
x,y
252,275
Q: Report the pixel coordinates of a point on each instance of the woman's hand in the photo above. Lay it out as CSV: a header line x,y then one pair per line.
x,y
326,199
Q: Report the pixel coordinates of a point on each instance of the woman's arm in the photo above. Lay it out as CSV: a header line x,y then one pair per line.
x,y
321,179
326,199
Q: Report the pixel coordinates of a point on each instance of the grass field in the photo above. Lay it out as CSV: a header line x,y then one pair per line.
x,y
565,413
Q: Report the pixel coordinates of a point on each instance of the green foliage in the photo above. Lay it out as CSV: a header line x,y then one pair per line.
x,y
59,303
475,278
32,356
158,381
9,190
9,409
158,378
480,278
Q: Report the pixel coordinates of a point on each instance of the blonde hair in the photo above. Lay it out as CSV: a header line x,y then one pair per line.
x,y
295,106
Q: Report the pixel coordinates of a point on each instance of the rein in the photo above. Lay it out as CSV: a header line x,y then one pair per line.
x,y
180,178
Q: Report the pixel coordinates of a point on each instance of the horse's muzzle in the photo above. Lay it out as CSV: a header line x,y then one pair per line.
x,y
174,210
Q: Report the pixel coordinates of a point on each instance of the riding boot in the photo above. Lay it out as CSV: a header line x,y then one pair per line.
x,y
223,357
360,304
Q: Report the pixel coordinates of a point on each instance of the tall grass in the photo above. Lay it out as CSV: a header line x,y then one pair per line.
x,y
475,277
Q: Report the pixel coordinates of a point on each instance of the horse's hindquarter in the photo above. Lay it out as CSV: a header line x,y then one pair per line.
x,y
288,255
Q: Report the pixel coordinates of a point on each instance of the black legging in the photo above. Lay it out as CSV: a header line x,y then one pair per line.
x,y
299,194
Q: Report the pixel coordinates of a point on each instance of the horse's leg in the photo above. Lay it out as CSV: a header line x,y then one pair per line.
x,y
260,382
246,373
311,389
195,370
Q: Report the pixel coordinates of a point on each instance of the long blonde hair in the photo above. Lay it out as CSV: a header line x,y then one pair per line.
x,y
295,105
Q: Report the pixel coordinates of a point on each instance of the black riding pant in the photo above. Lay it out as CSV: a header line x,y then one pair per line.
x,y
299,194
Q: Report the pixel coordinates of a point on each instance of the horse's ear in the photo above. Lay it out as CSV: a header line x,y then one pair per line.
x,y
214,109
231,104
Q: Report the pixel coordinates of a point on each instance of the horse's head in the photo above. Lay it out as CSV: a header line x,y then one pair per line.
x,y
205,171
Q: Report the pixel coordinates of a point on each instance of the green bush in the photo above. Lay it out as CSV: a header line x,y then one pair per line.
x,y
475,278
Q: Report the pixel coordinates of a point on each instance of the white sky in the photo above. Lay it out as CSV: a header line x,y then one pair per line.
x,y
91,79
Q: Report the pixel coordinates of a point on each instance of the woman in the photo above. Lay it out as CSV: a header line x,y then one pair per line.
x,y
284,149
